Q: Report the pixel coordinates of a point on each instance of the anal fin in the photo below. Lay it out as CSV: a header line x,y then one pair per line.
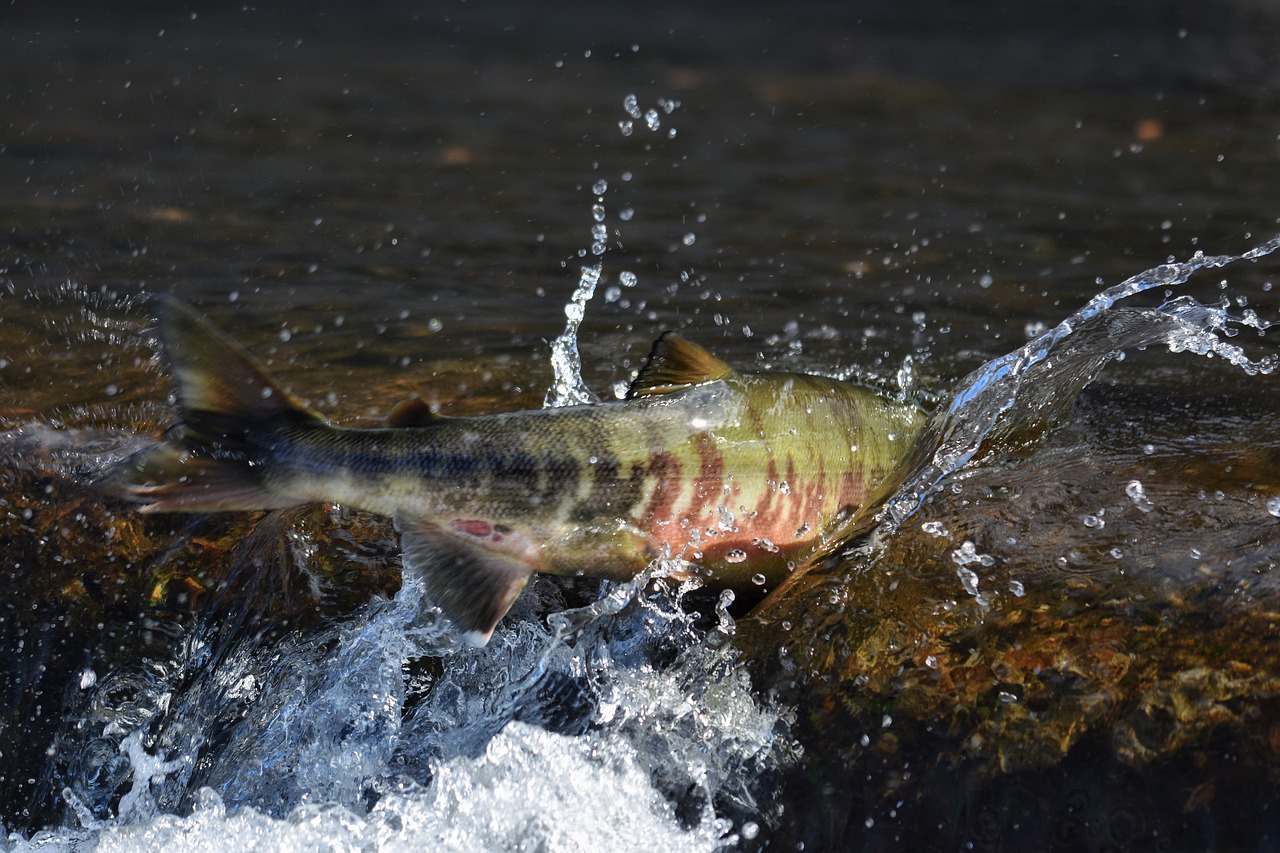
x,y
474,586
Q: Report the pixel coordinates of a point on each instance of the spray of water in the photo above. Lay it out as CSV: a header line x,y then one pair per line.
x,y
567,386
1037,382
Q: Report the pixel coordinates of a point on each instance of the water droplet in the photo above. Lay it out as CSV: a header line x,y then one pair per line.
x,y
626,127
934,528
1273,506
967,553
597,212
931,661
1094,522
750,830
627,278
600,187
968,579
1016,587
689,239
651,119
768,545
632,105
906,377
757,579
1138,495
726,625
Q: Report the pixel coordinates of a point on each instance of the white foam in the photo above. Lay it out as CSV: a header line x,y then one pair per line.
x,y
529,790
327,754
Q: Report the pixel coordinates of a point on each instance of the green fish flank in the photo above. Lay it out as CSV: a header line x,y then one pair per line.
x,y
739,476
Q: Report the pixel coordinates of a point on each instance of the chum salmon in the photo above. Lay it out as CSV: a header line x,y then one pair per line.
x,y
737,475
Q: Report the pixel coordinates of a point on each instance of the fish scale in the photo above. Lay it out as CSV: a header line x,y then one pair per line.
x,y
738,475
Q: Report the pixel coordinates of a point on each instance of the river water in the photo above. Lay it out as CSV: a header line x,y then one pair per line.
x,y
1063,635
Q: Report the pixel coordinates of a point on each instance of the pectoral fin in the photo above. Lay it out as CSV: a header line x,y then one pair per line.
x,y
474,586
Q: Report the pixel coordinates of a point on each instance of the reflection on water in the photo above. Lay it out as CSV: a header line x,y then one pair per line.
x,y
1069,643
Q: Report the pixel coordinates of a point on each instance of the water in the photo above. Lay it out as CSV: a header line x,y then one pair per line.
x,y
378,220
378,728
1041,529
1037,383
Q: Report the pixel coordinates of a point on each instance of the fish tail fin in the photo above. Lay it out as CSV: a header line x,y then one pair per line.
x,y
232,415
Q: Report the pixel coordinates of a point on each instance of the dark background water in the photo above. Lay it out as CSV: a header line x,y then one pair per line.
x,y
394,197
438,159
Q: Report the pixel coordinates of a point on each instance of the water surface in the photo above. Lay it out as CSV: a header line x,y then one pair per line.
x,y
404,206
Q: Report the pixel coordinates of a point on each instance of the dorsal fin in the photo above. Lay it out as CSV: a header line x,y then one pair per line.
x,y
675,363
413,412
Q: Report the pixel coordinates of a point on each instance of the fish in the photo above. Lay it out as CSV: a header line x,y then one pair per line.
x,y
740,477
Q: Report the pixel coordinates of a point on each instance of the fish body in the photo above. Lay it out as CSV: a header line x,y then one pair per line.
x,y
741,476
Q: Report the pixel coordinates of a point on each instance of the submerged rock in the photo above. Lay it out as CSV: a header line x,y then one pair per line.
x,y
1037,659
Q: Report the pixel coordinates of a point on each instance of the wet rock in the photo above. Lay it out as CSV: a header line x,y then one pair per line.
x,y
1109,684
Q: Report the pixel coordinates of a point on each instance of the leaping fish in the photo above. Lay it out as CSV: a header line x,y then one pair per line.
x,y
738,475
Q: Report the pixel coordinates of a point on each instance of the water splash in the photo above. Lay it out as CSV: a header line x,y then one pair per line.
x,y
329,733
1037,382
568,387
525,790
966,557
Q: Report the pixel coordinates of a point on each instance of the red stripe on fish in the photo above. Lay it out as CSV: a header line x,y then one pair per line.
x,y
664,468
708,488
853,492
